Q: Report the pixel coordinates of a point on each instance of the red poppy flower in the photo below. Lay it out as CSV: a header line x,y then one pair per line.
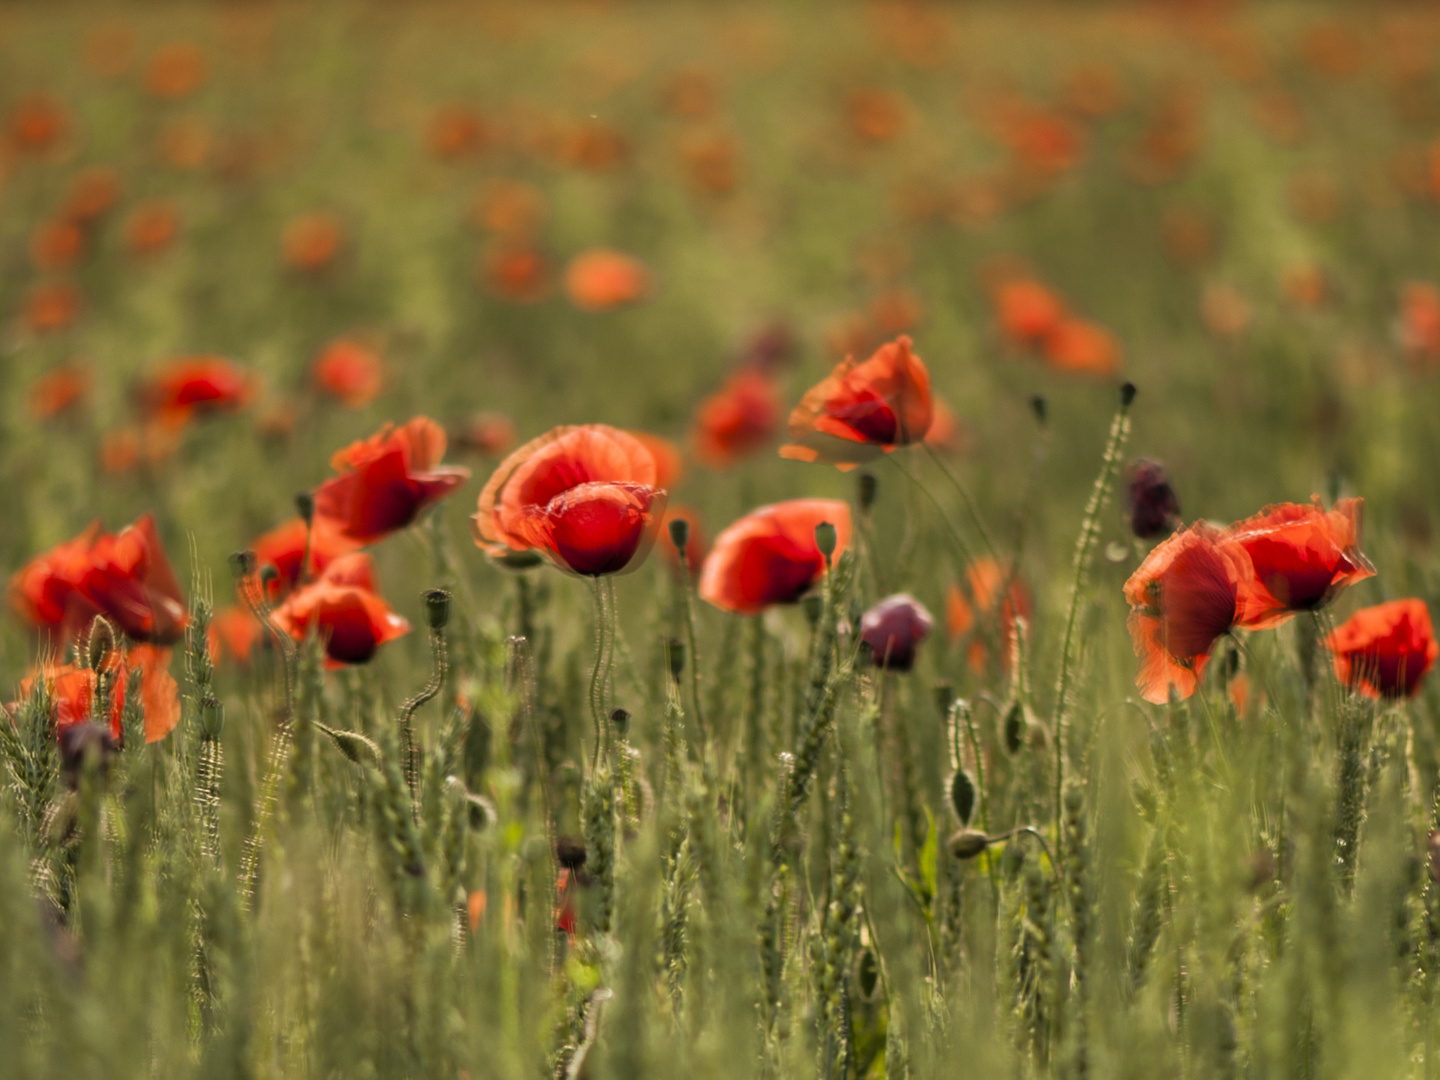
x,y
311,242
1301,556
986,579
37,123
514,269
234,633
349,372
1154,506
1183,597
150,228
196,384
59,391
386,480
769,556
1419,326
601,279
863,409
738,419
130,580
72,690
283,547
596,528
176,70
1080,346
893,630
47,591
1384,651
545,468
1027,310
341,606
52,306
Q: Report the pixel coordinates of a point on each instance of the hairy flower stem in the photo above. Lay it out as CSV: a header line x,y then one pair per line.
x,y
439,665
970,509
691,657
597,689
1084,548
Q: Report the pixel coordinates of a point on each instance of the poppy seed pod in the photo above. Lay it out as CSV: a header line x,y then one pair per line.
x,y
1041,408
437,608
305,506
893,630
679,534
967,843
570,852
1127,394
866,488
962,795
825,539
1154,507
621,719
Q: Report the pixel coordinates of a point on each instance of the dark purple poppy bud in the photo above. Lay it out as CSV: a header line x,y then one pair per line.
x,y
1154,509
893,630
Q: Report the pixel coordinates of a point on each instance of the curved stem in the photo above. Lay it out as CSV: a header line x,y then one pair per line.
x,y
596,690
970,509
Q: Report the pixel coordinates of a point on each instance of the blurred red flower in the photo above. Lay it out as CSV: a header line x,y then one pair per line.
x,y
864,409
342,607
56,244
986,579
311,242
91,194
387,480
52,306
1080,346
128,577
1183,597
59,391
350,372
283,547
489,433
150,228
191,385
696,546
1028,311
234,633
601,279
1301,557
547,467
1384,651
36,123
72,690
46,591
176,70
770,556
738,419
669,462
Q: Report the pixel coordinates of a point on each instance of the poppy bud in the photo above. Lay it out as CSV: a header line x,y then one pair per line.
x,y
679,534
813,606
268,576
893,629
437,608
967,843
212,718
242,563
962,795
621,719
1154,508
570,852
1127,394
1040,408
101,643
825,539
1015,727
675,657
305,504
866,487
867,974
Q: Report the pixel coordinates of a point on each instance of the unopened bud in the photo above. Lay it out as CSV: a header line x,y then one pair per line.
x,y
967,843
269,575
867,974
437,608
305,503
866,487
962,795
481,810
621,719
1127,394
101,643
1014,727
212,718
1041,408
813,606
825,539
242,563
679,534
570,852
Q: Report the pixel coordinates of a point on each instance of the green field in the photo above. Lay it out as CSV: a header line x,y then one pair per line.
x,y
597,826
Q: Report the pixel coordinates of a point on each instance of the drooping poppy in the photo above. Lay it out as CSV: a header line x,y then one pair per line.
x,y
862,410
548,466
59,391
350,372
192,385
738,419
1384,651
1183,598
893,630
601,279
342,607
770,556
284,546
1302,556
129,578
1154,506
387,480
